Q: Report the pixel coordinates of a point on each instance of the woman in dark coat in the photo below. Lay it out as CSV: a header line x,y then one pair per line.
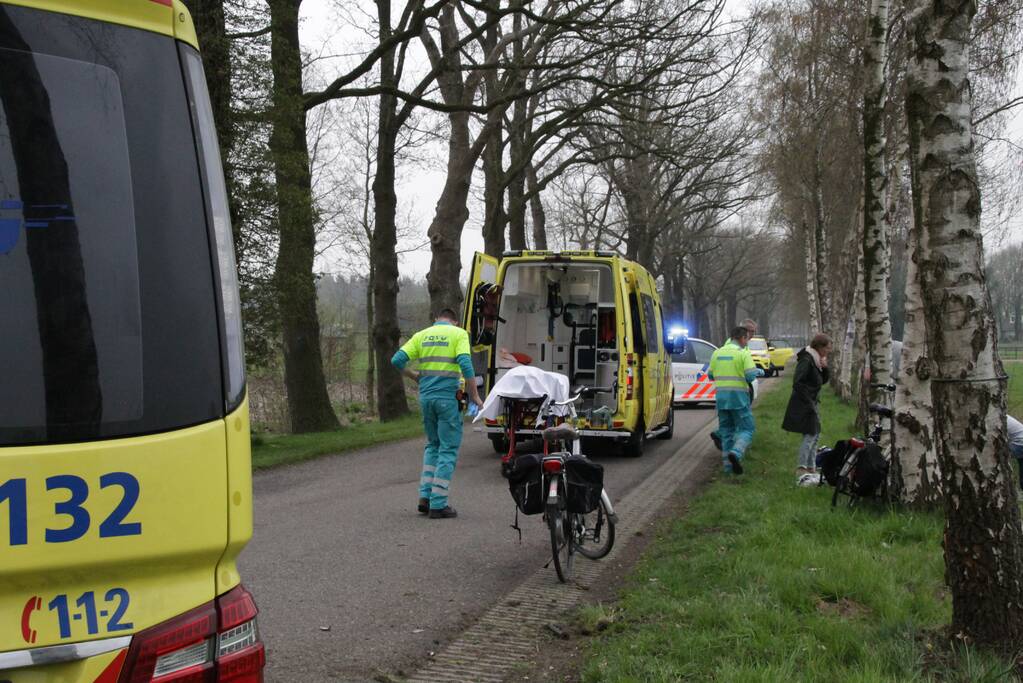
x,y
802,415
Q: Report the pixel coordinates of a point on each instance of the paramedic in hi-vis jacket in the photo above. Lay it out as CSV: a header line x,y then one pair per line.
x,y
443,353
732,369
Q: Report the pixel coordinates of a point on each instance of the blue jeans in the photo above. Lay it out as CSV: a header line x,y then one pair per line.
x,y
442,421
808,451
735,427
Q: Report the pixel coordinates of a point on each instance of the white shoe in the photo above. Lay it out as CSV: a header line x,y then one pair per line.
x,y
809,479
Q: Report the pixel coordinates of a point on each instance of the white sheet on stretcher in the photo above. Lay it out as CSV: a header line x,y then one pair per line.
x,y
526,382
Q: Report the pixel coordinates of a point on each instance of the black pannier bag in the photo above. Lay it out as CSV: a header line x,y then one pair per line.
x,y
870,471
831,460
525,481
585,480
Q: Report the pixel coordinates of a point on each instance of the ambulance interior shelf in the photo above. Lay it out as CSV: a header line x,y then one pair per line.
x,y
563,317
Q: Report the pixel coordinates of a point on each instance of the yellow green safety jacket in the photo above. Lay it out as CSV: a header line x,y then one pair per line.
x,y
443,353
732,369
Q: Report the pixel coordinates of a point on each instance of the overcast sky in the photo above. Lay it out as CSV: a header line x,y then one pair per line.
x,y
327,31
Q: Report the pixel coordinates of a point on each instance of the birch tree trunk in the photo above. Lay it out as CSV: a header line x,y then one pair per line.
x,y
983,541
852,345
810,253
820,241
875,233
914,466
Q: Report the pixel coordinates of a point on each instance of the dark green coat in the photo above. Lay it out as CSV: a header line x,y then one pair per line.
x,y
802,415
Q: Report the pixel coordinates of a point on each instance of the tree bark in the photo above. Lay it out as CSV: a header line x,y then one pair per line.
x,y
449,218
494,217
983,541
810,253
852,346
391,403
875,232
536,210
822,266
371,404
308,402
915,473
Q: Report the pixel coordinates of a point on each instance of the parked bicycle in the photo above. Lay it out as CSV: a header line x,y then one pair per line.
x,y
566,487
858,468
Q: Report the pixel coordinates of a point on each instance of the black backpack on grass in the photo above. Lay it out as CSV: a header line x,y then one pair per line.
x,y
871,470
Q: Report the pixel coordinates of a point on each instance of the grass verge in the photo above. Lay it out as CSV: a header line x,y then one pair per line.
x,y
273,450
763,581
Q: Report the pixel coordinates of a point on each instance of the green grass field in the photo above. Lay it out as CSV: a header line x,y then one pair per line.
x,y
284,449
763,581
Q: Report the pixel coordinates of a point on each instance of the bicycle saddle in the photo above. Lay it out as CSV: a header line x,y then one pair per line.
x,y
561,432
881,410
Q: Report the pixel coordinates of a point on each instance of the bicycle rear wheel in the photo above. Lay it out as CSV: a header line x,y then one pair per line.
x,y
562,545
595,532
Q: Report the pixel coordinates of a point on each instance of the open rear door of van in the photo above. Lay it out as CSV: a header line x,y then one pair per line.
x,y
479,316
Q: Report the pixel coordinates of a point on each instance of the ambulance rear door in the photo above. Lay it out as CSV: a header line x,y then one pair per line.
x,y
479,316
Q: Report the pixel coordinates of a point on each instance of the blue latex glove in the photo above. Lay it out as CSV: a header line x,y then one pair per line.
x,y
473,410
760,372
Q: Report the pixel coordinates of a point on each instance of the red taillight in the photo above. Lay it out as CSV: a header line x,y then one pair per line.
x,y
552,466
218,641
628,383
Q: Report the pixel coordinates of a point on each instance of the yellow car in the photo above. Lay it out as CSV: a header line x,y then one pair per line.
x,y
125,474
761,355
780,354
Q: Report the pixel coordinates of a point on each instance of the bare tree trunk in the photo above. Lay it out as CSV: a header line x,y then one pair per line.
x,y
810,252
822,266
371,404
391,401
851,345
875,232
536,210
859,362
518,152
494,218
983,540
308,402
449,218
915,475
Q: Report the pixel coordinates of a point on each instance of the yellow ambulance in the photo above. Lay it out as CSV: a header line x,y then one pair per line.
x,y
125,480
592,316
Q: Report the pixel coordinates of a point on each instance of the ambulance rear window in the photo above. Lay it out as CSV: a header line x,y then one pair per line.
x,y
108,322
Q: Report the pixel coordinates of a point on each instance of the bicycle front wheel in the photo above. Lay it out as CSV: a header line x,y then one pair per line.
x,y
562,547
595,532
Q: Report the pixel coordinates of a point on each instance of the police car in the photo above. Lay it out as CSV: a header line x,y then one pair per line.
x,y
689,374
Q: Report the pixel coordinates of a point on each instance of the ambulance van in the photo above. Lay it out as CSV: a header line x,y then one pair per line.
x,y
125,477
592,316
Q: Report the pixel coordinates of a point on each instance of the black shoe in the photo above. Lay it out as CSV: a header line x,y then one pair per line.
x,y
424,506
443,513
716,439
736,465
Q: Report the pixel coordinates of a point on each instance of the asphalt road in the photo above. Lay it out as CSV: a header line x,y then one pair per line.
x,y
351,582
